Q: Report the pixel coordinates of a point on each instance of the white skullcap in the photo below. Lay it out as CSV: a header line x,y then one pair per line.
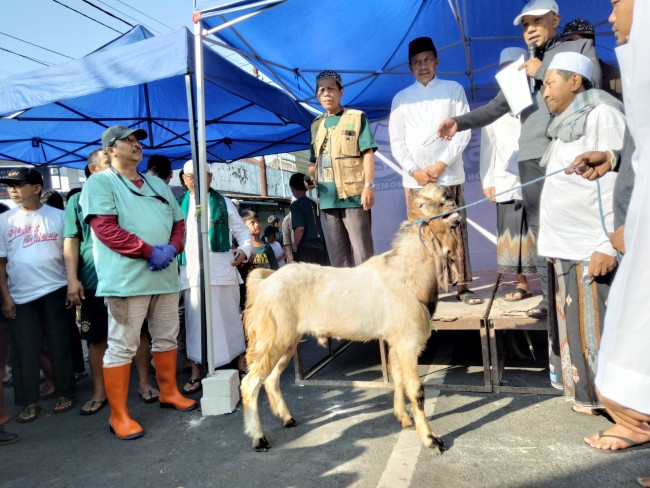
x,y
537,7
188,168
510,54
573,62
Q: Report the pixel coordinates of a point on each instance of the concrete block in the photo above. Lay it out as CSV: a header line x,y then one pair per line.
x,y
223,383
218,405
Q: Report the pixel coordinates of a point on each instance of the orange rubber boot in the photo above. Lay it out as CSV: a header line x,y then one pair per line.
x,y
170,396
116,381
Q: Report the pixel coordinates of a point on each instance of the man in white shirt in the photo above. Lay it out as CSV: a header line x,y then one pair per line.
x,y
576,218
227,329
416,113
33,289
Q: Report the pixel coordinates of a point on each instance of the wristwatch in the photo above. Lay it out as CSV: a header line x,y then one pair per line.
x,y
370,185
412,171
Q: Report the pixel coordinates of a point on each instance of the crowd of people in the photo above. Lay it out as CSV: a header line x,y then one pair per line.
x,y
124,247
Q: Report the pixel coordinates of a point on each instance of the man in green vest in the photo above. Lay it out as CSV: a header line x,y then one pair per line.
x,y
343,164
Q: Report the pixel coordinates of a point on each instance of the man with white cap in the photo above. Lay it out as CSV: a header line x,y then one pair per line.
x,y
137,230
226,326
539,20
576,218
500,176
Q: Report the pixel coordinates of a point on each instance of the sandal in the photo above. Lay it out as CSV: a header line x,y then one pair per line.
x,y
537,313
517,295
149,395
469,297
192,386
28,414
63,404
93,406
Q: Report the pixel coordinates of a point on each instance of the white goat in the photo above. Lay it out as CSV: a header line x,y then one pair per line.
x,y
391,297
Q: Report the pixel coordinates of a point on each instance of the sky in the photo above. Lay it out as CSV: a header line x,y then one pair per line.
x,y
49,32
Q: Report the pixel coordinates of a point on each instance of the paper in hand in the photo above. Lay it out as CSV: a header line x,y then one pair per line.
x,y
514,85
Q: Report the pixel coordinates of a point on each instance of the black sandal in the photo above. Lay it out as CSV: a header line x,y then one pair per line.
x,y
191,382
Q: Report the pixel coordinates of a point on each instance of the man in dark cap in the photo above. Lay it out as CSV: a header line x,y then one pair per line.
x,y
343,163
138,230
33,290
611,76
415,115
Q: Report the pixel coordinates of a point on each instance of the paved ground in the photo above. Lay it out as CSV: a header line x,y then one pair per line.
x,y
346,438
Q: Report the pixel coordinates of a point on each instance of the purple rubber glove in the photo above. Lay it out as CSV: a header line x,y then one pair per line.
x,y
168,249
159,259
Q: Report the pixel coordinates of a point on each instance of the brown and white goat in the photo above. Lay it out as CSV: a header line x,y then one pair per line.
x,y
391,297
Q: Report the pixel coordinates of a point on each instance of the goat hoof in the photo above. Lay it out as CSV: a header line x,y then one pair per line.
x,y
437,445
407,422
290,423
261,444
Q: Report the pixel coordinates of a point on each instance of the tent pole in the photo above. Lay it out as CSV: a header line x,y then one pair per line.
x,y
193,148
201,197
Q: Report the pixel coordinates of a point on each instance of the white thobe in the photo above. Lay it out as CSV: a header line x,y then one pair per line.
x,y
415,114
499,157
624,360
570,224
227,329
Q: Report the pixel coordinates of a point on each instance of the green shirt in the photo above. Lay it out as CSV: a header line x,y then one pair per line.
x,y
263,257
74,226
327,194
141,212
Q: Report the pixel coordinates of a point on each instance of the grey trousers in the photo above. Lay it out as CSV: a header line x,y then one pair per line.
x,y
347,235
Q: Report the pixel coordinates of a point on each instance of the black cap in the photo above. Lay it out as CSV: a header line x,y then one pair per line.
x,y
119,132
420,45
26,175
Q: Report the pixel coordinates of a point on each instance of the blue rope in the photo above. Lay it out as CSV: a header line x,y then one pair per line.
x,y
423,221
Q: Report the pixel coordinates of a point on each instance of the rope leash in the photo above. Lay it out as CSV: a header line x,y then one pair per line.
x,y
423,221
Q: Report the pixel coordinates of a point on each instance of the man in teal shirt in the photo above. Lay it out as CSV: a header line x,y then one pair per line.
x,y
342,155
82,291
138,230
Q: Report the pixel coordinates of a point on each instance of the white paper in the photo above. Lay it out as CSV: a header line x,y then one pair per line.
x,y
515,86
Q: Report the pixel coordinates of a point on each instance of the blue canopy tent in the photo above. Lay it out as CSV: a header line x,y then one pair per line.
x,y
55,115
367,41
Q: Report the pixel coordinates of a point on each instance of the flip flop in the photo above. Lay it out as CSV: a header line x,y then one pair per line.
x,y
93,406
633,445
60,407
518,292
469,297
149,396
537,313
190,387
32,412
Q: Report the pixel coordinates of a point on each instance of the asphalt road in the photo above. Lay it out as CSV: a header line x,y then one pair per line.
x,y
346,437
